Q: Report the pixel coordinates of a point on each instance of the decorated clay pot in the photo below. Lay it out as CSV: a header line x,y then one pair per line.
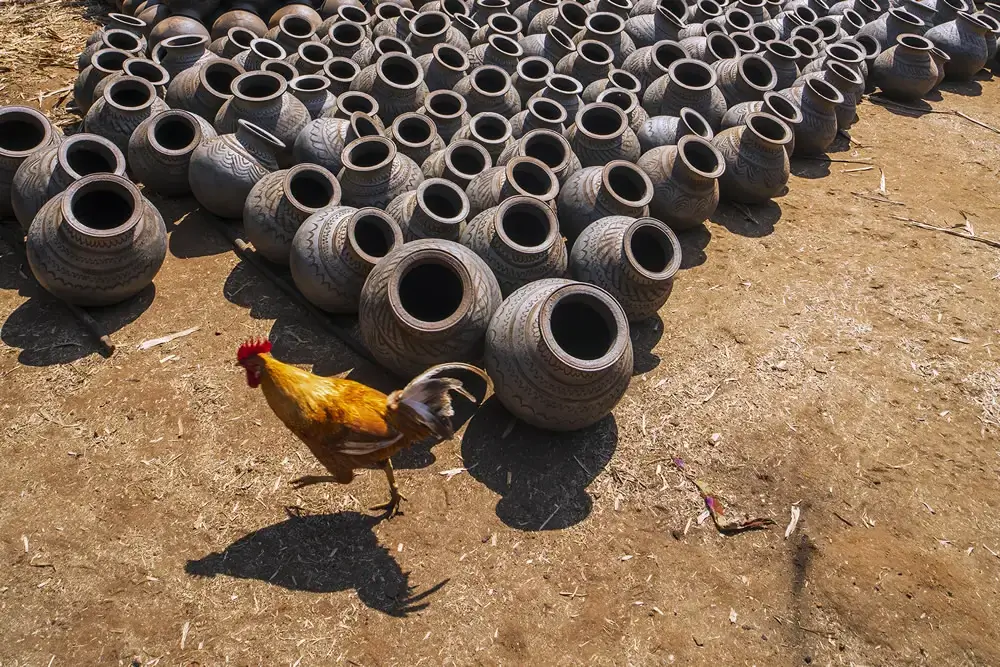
x,y
651,62
905,71
548,147
375,173
183,52
125,104
238,18
448,110
553,44
540,114
430,28
566,91
964,40
617,79
281,201
567,16
160,149
444,67
617,188
299,8
348,40
685,182
500,51
115,39
224,170
710,48
890,25
47,172
353,102
310,58
783,106
322,141
846,80
425,303
234,42
744,79
590,62
601,134
668,130
261,51
757,165
520,176
940,59
291,32
461,162
437,209
648,29
415,136
98,243
500,24
313,90
530,76
688,83
203,90
519,240
608,29
103,65
627,101
396,82
559,354
335,249
341,72
23,132
489,130
488,89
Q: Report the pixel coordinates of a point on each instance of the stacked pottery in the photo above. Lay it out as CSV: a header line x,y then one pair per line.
x,y
757,167
685,181
375,173
160,149
618,188
23,132
906,71
437,209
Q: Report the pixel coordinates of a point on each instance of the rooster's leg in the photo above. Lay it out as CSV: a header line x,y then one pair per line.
x,y
395,497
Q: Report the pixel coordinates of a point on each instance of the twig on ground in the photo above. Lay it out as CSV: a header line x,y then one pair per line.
x,y
880,200
889,103
823,158
923,225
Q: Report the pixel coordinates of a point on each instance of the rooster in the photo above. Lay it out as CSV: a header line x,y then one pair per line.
x,y
347,425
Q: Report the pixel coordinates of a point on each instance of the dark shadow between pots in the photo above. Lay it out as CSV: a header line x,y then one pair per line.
x,y
323,553
971,88
542,477
693,244
645,335
752,221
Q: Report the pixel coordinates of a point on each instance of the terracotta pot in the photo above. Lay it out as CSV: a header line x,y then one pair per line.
x,y
437,209
488,89
541,114
24,132
592,61
566,91
176,54
203,90
415,136
817,102
335,249
559,354
460,162
601,134
300,8
568,17
964,40
592,193
313,90
160,149
261,51
174,26
224,170
668,130
689,83
280,202
648,29
125,104
98,243
519,240
757,166
104,64
626,100
906,72
552,44
548,147
291,32
47,172
353,102
118,40
489,130
685,182
608,29
322,141
448,110
847,52
427,302
520,176
396,82
233,43
375,173
262,98
747,43
617,79
238,18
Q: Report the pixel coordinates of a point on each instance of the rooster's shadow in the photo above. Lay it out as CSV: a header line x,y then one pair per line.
x,y
322,553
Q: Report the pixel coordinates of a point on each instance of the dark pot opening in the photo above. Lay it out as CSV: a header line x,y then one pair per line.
x,y
546,148
386,44
125,41
314,53
574,14
696,123
258,86
504,23
758,72
915,42
745,42
566,85
844,53
676,8
491,128
619,78
415,130
399,70
769,128
351,102
267,49
20,132
534,68
825,90
827,26
109,61
804,47
595,52
442,200
700,157
469,24
782,108
525,225
467,160
130,94
602,121
148,70
583,326
709,8
346,34
739,20
854,19
622,99
175,132
491,81
429,24
764,33
369,154
281,68
452,57
364,127
905,16
561,38
310,188
692,74
241,37
845,72
296,26
373,235
90,157
712,27
532,178
782,50
547,110
311,83
182,41
387,11
506,45
723,46
445,104
808,32
627,183
805,14
431,292
353,14
666,54
126,19
103,206
604,23
341,69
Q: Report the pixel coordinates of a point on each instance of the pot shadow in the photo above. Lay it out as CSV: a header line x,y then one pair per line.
x,y
812,167
322,553
752,221
645,335
191,231
12,264
911,109
541,476
972,88
693,244
48,334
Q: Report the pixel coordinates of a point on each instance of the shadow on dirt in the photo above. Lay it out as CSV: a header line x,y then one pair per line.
x,y
693,244
751,221
645,335
541,476
322,553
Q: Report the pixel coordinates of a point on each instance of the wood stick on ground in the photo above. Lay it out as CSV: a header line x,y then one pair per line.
x,y
924,225
880,200
83,317
823,158
953,112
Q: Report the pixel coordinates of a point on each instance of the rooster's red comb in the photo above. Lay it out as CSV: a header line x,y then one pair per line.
x,y
253,347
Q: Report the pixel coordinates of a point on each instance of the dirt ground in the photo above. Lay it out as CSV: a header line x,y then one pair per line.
x,y
825,354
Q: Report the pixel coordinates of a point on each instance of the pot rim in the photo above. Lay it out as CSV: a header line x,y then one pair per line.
x,y
908,40
182,42
127,19
240,30
689,139
136,48
617,77
577,87
905,16
340,60
594,44
463,106
102,145
411,63
485,69
633,100
132,82
365,16
551,238
100,54
972,19
173,114
290,18
304,47
793,56
255,48
534,59
342,42
421,194
10,113
260,133
686,114
812,84
755,118
91,182
736,11
362,116
635,170
423,17
558,138
356,95
845,72
578,121
671,45
371,212
544,101
261,75
713,78
467,144
491,22
438,48
721,36
495,40
591,30
563,6
770,97
509,170
281,68
164,74
429,251
467,21
380,48
321,173
296,83
348,163
560,36
489,115
753,57
611,312
411,116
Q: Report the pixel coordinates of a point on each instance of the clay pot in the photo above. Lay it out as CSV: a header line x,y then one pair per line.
x,y
152,13
617,78
261,51
460,162
396,82
174,26
622,8
23,132
375,173
746,43
848,82
565,90
783,58
119,21
160,149
628,103
757,166
425,303
203,90
635,260
489,130
291,32
233,43
559,354
617,188
196,9
47,172
649,29
353,102
448,110
176,54
341,72
890,25
322,141
592,61
651,62
104,64
125,104
520,176
601,134
846,52
348,40
224,170
668,130
520,241
310,58
488,89
992,35
437,209
906,72
529,10
281,201
118,40
300,8
335,249
541,114
964,40
238,18
499,51
552,44
710,48
685,182
262,98
98,243
444,67
415,136
569,17
940,59
745,79
688,83
504,25
355,14
609,29
548,147
430,28
398,27
313,90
